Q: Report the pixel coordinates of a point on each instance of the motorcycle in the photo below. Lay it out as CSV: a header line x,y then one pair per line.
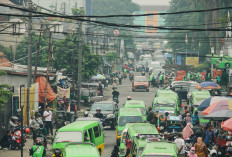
x,y
115,99
143,73
124,75
131,77
17,137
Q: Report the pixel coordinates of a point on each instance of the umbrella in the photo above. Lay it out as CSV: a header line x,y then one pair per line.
x,y
219,115
101,77
218,106
94,78
208,85
227,125
209,101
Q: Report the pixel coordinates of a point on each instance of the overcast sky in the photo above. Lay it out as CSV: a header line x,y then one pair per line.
x,y
152,2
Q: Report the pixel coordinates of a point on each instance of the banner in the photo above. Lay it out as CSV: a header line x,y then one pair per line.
x,y
63,92
192,61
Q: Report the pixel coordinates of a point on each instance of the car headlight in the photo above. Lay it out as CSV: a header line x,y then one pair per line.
x,y
122,151
110,116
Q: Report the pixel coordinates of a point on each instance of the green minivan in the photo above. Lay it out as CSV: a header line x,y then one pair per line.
x,y
137,104
132,131
144,147
171,95
127,115
80,150
82,132
166,104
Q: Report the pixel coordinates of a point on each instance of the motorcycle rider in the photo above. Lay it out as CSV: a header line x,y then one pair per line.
x,y
35,123
38,149
131,74
42,132
98,114
6,140
13,123
115,93
120,78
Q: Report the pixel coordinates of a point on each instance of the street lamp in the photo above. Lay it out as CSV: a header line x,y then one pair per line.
x,y
221,55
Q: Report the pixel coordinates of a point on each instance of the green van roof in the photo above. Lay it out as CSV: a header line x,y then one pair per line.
x,y
163,99
81,150
129,112
77,126
142,128
160,147
204,92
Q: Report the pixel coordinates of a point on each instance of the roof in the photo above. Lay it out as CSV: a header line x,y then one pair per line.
x,y
4,62
164,99
73,126
129,111
201,93
81,150
154,8
160,147
142,128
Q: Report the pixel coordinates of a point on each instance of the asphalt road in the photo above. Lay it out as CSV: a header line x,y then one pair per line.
x,y
125,90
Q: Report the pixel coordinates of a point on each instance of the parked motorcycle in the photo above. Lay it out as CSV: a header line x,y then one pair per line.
x,y
17,137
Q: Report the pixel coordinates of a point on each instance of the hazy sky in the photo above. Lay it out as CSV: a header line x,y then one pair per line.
x,y
152,2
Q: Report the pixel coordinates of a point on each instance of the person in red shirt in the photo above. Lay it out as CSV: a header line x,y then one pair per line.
x,y
128,146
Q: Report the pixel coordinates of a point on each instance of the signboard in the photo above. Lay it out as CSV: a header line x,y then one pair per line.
x,y
192,61
225,64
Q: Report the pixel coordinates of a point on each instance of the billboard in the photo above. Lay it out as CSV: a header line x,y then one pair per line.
x,y
192,61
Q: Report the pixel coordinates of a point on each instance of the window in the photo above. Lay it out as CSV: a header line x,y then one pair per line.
x,y
96,131
150,16
75,136
99,128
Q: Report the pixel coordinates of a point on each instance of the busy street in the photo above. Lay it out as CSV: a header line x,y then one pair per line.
x,y
115,78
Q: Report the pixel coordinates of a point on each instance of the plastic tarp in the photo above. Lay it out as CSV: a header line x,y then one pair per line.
x,y
206,84
50,93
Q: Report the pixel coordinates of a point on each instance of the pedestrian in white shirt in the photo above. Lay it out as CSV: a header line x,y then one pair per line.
x,y
181,146
48,120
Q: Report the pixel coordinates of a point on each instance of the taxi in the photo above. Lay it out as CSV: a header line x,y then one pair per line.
x,y
82,132
137,104
140,82
127,115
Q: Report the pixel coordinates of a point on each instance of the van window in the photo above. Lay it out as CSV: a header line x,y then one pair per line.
x,y
74,136
91,134
129,119
96,131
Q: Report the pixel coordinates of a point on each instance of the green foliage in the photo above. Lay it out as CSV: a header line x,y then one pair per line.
x,y
78,12
112,56
5,93
202,67
115,7
7,52
63,55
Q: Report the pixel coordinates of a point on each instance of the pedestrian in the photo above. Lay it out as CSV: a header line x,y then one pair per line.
x,y
100,88
35,123
149,114
161,79
201,148
195,118
181,146
154,119
187,132
48,120
208,136
188,120
197,128
185,112
128,146
192,152
218,79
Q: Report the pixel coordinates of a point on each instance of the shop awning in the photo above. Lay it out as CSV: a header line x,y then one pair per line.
x,y
105,62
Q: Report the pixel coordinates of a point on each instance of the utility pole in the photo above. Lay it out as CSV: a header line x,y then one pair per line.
x,y
29,65
46,85
79,64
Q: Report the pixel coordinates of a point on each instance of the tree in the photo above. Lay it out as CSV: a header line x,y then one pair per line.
x,y
63,59
5,92
7,52
115,7
112,56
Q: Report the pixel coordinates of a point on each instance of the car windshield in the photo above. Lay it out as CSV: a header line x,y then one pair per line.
x,y
74,136
140,79
129,119
102,106
165,105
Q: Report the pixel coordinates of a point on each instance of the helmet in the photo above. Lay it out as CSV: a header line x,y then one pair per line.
x,y
38,141
38,114
130,68
27,130
14,118
18,110
98,109
129,98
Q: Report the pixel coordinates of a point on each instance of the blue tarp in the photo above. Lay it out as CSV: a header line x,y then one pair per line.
x,y
168,55
206,84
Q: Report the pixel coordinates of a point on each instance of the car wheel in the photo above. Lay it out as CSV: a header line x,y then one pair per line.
x,y
118,142
99,152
